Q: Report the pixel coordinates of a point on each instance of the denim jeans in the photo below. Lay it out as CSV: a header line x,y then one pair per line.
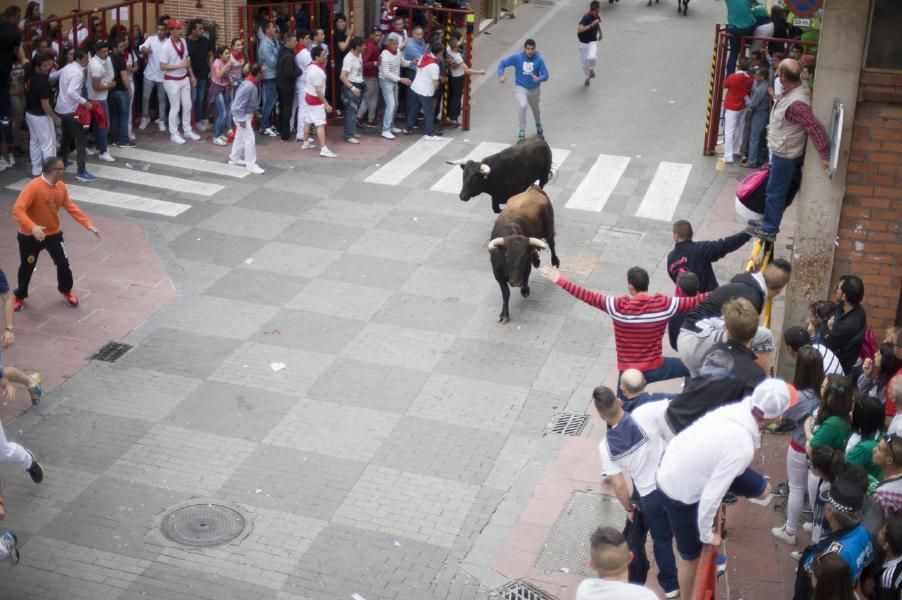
x,y
683,519
778,183
223,117
652,506
351,104
270,95
757,153
100,133
735,47
199,100
390,97
672,368
427,104
749,484
118,116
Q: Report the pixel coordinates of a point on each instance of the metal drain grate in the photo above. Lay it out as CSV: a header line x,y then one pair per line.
x,y
202,525
520,590
111,351
567,423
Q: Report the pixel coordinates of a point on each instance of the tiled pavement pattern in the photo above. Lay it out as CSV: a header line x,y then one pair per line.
x,y
400,443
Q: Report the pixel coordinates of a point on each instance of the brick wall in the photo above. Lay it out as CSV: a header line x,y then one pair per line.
x,y
870,227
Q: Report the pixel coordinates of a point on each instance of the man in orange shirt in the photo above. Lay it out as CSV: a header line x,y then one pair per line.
x,y
36,210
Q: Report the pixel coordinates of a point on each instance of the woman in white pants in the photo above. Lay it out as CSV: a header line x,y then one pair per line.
x,y
40,116
244,105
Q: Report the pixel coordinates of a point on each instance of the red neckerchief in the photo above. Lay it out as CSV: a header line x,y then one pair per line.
x,y
180,49
426,60
239,56
313,64
251,79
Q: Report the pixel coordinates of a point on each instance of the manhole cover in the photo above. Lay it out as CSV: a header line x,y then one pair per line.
x,y
202,525
111,352
520,590
568,423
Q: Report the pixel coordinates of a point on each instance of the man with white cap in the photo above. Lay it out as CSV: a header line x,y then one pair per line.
x,y
701,463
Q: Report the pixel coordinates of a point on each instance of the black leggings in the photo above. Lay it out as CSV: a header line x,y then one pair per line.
x,y
286,100
30,248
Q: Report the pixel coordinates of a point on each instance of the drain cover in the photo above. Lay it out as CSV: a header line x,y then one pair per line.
x,y
520,590
567,423
202,525
111,352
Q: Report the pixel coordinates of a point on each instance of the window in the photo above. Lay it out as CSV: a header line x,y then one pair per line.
x,y
884,48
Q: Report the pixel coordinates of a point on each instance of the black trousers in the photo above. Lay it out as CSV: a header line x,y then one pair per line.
x,y
30,248
455,96
286,99
72,130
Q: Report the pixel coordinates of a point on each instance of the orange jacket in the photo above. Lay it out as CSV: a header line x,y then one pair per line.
x,y
39,203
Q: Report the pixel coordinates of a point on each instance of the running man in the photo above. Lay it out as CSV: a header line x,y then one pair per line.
x,y
530,72
588,32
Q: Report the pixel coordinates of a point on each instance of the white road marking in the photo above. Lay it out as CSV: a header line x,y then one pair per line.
x,y
183,162
558,156
599,182
451,181
664,191
117,199
138,177
401,166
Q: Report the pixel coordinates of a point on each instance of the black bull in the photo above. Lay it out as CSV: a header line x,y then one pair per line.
x,y
506,173
517,236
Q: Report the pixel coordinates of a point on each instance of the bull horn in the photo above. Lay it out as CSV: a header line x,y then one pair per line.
x,y
537,243
459,161
485,169
499,241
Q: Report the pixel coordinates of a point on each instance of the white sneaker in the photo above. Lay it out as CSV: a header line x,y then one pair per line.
x,y
191,135
808,527
270,132
162,125
326,153
396,130
237,162
131,136
3,164
672,594
352,140
781,534
106,157
176,139
433,138
762,501
311,140
220,141
255,169
308,145
388,135
90,151
144,123
795,555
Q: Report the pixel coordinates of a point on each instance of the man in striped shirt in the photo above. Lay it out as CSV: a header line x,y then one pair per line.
x,y
795,337
639,323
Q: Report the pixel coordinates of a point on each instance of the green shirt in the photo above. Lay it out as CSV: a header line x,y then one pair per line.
x,y
862,454
739,14
833,432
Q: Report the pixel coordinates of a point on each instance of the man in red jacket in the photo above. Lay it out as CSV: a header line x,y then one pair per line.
x,y
639,323
371,52
738,86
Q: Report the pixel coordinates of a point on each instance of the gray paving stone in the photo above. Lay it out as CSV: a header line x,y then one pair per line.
x,y
210,315
252,365
481,513
538,410
180,353
563,371
469,403
296,204
41,503
195,277
443,315
340,299
291,481
583,337
320,234
175,582
461,256
450,452
315,185
113,515
527,328
471,287
238,411
399,347
309,331
213,247
355,383
355,212
235,220
376,566
369,271
407,247
403,220
260,287
501,363
291,259
514,456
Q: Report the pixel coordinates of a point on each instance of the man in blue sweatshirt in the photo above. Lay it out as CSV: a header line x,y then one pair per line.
x,y
530,72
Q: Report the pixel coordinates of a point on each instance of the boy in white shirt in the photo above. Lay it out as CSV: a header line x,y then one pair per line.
x,y
177,80
153,77
611,558
316,104
423,92
100,82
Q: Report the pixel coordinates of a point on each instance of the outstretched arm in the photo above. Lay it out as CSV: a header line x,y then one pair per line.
x,y
591,298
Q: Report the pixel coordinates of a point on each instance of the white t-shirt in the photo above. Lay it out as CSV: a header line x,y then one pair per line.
x,y
423,84
316,77
169,56
354,66
634,445
104,70
895,426
152,69
457,61
603,589
302,59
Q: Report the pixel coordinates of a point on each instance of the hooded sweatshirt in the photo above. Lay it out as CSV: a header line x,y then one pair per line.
x,y
525,68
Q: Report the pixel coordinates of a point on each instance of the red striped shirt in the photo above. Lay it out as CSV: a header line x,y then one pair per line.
x,y
639,322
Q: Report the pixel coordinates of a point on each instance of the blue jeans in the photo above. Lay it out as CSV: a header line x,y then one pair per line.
x,y
757,154
118,117
351,104
100,134
778,183
749,484
223,118
427,103
270,95
652,507
735,47
390,96
199,100
672,368
683,519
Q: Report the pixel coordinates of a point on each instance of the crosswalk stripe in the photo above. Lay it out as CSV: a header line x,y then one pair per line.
x,y
599,182
117,199
451,181
178,184
558,156
401,166
664,191
183,162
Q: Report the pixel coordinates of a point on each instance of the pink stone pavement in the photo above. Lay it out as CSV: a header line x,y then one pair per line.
x,y
119,281
758,566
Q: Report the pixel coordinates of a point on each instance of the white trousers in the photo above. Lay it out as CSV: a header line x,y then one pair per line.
x,y
43,141
179,94
797,471
245,142
13,453
588,52
300,99
734,123
813,482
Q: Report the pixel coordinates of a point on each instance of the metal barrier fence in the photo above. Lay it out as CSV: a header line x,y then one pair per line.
x,y
705,584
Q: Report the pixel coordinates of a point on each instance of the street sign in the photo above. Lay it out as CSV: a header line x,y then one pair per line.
x,y
804,8
800,22
835,135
